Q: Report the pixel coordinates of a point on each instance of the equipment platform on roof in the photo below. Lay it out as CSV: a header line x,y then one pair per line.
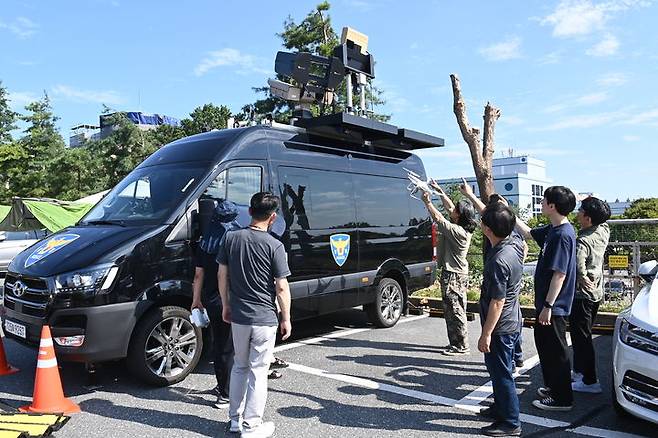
x,y
373,131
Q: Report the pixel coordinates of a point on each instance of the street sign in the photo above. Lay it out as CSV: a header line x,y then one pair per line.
x,y
618,261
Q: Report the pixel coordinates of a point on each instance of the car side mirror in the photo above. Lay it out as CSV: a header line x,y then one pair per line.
x,y
648,270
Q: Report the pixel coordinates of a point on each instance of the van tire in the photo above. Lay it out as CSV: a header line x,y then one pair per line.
x,y
385,312
165,331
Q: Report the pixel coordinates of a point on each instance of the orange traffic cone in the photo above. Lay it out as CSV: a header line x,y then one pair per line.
x,y
5,368
48,394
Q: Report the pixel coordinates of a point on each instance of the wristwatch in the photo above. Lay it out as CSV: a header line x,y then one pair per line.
x,y
548,305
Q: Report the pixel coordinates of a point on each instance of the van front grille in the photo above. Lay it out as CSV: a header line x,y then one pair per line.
x,y
34,298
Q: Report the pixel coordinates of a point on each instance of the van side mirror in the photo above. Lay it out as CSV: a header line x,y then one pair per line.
x,y
648,270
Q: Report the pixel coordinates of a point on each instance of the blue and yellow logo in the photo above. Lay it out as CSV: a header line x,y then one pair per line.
x,y
340,247
48,247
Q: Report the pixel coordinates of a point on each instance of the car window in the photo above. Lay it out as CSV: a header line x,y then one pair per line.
x,y
236,184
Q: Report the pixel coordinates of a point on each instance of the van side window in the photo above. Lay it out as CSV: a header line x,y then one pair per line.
x,y
237,184
376,206
316,199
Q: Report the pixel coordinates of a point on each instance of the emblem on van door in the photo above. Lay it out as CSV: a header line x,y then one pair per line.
x,y
48,247
19,289
340,247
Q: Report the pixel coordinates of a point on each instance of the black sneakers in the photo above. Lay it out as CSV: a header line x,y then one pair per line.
x,y
550,404
500,429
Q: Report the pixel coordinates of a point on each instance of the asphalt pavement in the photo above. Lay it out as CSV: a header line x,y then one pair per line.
x,y
346,379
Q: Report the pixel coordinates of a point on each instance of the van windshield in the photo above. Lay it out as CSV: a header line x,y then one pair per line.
x,y
146,196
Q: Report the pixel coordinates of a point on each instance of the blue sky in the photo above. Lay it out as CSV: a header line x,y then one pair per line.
x,y
575,80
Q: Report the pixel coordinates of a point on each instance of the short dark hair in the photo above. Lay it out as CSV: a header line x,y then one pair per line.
x,y
262,205
562,197
466,216
595,209
495,197
499,218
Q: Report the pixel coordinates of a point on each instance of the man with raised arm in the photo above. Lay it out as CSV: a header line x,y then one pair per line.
x,y
555,286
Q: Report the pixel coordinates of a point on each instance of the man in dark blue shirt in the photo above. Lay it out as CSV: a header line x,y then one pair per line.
x,y
555,286
500,316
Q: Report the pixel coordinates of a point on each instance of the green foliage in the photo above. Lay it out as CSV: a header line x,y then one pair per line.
x,y
206,118
643,208
7,117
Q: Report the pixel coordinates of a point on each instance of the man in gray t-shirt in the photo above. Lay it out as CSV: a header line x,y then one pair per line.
x,y
252,276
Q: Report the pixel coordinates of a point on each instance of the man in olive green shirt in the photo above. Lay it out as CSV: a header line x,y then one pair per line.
x,y
590,251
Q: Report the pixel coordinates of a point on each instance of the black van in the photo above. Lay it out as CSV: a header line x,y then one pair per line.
x,y
119,283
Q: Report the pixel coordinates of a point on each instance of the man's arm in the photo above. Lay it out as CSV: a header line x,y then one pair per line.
x,y
467,191
283,298
582,252
553,291
436,214
523,229
222,285
493,315
197,285
445,199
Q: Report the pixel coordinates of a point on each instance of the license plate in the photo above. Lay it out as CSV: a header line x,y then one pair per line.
x,y
15,329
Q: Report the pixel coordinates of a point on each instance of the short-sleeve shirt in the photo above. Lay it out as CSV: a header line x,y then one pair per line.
x,y
254,259
453,245
502,278
206,261
516,239
558,254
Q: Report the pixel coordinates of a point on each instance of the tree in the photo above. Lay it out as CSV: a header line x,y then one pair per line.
x,y
164,134
643,208
74,174
314,34
481,151
7,117
206,118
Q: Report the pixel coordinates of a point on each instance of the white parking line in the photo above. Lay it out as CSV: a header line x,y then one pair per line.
x,y
338,334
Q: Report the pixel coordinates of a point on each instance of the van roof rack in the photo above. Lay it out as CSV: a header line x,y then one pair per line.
x,y
368,131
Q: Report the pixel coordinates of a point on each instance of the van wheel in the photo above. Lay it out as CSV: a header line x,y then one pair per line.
x,y
387,308
165,346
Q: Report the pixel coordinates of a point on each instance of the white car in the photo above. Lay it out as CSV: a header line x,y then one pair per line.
x,y
635,351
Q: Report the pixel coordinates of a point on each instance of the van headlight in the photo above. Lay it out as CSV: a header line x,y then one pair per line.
x,y
637,337
94,280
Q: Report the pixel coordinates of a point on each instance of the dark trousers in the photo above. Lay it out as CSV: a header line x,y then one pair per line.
x,y
222,345
551,342
499,364
583,313
518,352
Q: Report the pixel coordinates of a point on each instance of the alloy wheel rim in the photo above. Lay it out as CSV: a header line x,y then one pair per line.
x,y
391,303
170,347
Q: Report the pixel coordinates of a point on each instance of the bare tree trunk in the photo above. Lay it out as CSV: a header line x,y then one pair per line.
x,y
481,151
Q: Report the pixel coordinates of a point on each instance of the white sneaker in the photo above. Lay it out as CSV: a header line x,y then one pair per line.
x,y
575,377
263,430
236,426
579,386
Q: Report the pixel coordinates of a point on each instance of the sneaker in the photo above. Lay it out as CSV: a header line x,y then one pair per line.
x,y
543,392
222,401
580,386
575,376
500,429
278,363
235,427
489,412
454,351
549,404
263,430
274,374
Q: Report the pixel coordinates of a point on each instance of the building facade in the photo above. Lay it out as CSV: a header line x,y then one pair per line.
x,y
520,179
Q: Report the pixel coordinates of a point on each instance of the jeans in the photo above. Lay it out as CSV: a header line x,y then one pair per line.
x,y
583,313
222,345
518,352
499,364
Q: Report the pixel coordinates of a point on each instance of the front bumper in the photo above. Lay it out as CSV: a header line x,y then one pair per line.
x,y
107,330
635,379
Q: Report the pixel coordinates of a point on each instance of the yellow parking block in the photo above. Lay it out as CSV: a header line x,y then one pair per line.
x,y
11,434
53,420
32,430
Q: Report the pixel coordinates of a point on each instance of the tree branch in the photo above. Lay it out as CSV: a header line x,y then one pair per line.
x,y
491,115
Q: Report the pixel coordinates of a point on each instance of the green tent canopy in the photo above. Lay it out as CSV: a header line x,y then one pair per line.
x,y
4,210
39,213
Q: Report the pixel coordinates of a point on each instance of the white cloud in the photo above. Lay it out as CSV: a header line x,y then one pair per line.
x,y
511,120
109,97
582,121
612,80
503,51
650,117
231,58
585,100
573,18
631,138
551,58
608,46
18,99
21,27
